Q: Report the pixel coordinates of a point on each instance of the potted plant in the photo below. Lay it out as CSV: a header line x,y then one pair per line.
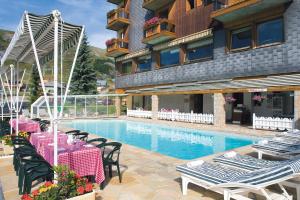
x,y
230,99
110,42
7,145
68,186
258,99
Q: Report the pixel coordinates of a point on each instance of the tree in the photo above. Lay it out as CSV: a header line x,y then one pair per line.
x,y
35,88
84,79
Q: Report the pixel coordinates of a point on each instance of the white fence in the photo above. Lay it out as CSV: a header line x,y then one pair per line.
x,y
271,123
139,113
186,117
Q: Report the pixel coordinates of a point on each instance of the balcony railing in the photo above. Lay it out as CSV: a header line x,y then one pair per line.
x,y
116,47
160,31
117,19
156,4
117,2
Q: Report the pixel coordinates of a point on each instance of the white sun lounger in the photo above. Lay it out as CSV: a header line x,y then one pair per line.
x,y
236,183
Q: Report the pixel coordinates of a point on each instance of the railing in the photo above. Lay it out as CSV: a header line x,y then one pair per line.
x,y
271,123
186,117
79,106
117,44
139,113
161,26
117,14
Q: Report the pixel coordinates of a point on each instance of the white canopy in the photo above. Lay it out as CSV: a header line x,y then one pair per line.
x,y
38,39
20,48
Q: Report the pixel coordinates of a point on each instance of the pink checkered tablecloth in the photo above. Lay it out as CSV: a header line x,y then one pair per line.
x,y
85,160
27,125
42,139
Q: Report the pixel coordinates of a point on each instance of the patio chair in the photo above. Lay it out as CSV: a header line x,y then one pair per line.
x,y
72,132
37,119
236,183
110,157
24,165
250,163
41,170
81,136
97,141
293,134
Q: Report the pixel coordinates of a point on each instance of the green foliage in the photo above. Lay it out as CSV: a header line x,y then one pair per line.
x,y
84,77
34,85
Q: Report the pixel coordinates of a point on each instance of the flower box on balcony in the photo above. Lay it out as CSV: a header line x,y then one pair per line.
x,y
151,22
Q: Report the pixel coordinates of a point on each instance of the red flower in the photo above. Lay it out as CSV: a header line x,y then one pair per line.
x,y
77,176
35,192
26,197
80,190
48,184
89,187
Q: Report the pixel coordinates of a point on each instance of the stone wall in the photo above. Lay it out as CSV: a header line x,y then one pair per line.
x,y
284,58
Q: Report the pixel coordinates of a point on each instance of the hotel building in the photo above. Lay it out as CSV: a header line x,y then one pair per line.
x,y
229,58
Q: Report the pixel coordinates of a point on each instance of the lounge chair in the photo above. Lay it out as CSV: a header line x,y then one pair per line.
x,y
276,149
236,183
293,134
250,163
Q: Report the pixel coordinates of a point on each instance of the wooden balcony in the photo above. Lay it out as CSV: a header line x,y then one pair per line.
x,y
116,47
156,4
239,9
117,19
162,31
117,2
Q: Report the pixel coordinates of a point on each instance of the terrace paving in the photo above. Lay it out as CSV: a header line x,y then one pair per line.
x,y
146,175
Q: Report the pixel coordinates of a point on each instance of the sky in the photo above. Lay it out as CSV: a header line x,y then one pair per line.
x,y
91,13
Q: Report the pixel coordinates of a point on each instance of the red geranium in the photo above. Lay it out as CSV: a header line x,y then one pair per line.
x,y
80,190
89,187
35,192
48,184
26,197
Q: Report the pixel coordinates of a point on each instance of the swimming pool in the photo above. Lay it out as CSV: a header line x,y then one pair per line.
x,y
176,142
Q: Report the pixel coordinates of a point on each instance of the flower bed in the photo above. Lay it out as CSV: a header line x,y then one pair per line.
x,y
68,186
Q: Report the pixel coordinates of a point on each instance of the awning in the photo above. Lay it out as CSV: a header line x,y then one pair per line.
x,y
20,47
250,85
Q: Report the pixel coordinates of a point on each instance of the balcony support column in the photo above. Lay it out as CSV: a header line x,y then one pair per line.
x,y
219,110
297,109
129,102
155,106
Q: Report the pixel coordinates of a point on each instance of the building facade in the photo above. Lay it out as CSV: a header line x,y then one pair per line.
x,y
230,58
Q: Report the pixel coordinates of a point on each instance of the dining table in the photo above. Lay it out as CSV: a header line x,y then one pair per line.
x,y
27,125
85,159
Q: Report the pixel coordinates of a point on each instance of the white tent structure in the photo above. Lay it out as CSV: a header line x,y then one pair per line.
x,y
39,39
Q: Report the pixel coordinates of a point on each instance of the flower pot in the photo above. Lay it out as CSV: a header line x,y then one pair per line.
x,y
8,150
88,196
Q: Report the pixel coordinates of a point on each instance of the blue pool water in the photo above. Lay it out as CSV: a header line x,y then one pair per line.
x,y
180,143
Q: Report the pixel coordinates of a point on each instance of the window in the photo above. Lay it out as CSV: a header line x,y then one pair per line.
x,y
164,14
144,64
270,32
191,4
169,57
207,2
241,38
199,51
126,67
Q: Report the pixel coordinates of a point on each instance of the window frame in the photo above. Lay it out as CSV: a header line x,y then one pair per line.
x,y
137,64
273,43
171,65
122,68
254,29
187,61
241,48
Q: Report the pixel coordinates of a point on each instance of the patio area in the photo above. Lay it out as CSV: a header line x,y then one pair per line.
x,y
146,175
